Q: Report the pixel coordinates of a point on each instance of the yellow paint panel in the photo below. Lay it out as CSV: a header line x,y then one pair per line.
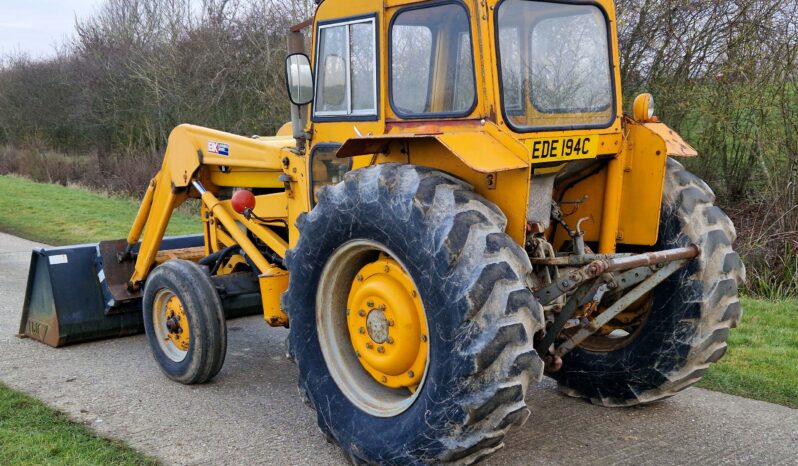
x,y
245,178
481,152
272,284
675,146
643,181
477,149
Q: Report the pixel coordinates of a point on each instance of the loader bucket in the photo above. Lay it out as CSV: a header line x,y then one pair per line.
x,y
67,297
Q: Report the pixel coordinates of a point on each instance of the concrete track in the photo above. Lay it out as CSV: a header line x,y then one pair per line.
x,y
251,413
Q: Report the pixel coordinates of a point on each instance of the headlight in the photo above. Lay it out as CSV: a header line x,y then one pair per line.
x,y
643,108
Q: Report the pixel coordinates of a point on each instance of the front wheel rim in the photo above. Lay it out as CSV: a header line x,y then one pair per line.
x,y
171,326
380,370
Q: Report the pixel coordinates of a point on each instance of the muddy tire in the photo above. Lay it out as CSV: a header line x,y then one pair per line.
x,y
691,312
481,315
200,317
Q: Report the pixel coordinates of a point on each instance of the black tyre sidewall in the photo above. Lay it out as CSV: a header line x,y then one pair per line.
x,y
205,317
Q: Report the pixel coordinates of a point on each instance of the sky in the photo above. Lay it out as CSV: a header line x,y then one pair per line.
x,y
35,26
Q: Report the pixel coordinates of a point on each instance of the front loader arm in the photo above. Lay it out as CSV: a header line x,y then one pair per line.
x,y
195,155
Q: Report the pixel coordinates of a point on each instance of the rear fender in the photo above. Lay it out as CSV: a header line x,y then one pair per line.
x,y
470,145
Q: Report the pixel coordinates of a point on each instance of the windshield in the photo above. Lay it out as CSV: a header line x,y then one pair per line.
x,y
555,65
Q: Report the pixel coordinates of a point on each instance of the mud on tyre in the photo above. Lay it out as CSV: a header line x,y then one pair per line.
x,y
691,312
480,314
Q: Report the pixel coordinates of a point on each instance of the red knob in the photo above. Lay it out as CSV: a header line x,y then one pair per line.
x,y
243,200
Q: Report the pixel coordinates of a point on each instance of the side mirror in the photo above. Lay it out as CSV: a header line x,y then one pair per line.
x,y
299,79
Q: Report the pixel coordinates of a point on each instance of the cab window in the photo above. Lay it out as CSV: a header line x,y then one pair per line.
x,y
555,65
346,67
432,61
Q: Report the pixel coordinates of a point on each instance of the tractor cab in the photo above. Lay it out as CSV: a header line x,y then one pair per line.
x,y
527,66
496,92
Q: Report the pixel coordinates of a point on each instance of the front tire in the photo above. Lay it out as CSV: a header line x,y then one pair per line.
x,y
184,321
481,316
690,313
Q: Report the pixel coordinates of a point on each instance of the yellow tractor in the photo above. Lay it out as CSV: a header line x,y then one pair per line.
x,y
458,205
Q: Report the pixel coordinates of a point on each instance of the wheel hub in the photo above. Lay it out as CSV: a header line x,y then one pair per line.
x,y
377,326
177,324
387,324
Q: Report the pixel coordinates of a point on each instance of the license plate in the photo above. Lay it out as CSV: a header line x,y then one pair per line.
x,y
563,149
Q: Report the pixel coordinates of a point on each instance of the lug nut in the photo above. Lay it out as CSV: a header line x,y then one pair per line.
x,y
380,349
423,338
381,307
413,293
411,374
390,323
361,330
389,340
370,303
384,379
369,345
359,277
361,313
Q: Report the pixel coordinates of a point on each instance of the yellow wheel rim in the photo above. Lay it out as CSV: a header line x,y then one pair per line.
x,y
171,325
357,273
177,324
387,324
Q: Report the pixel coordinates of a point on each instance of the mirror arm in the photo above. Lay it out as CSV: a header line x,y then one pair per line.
x,y
299,120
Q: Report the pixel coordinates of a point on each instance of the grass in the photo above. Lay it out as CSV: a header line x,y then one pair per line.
x,y
762,360
32,433
59,215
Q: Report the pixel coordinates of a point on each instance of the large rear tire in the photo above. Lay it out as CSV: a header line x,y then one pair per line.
x,y
184,321
690,316
481,316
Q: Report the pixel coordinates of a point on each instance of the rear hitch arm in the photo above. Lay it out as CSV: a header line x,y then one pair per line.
x,y
608,264
619,306
591,282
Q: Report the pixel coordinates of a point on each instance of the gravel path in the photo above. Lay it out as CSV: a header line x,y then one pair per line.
x,y
251,413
